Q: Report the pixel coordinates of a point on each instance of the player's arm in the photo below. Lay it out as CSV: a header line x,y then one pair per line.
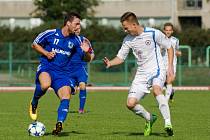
x,y
87,50
121,56
165,42
42,51
178,52
40,42
170,52
113,62
170,72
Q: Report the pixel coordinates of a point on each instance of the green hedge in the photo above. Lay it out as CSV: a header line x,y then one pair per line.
x,y
104,38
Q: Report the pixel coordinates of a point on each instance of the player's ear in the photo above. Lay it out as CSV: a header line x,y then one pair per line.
x,y
68,23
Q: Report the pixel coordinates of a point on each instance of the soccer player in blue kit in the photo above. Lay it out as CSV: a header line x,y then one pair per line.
x,y
79,73
55,47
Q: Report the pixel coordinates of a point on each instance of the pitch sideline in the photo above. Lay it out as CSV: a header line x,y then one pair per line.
x,y
106,88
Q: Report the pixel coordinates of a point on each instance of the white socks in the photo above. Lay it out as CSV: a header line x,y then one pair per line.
x,y
168,91
164,108
139,110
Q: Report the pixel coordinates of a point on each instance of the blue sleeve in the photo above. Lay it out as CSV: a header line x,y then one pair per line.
x,y
41,39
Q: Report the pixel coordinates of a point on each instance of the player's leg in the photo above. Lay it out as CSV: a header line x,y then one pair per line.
x,y
173,91
82,96
43,82
135,95
41,87
134,106
63,87
163,105
82,77
64,96
169,86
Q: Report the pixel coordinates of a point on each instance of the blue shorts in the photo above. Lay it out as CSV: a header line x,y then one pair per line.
x,y
40,69
58,79
81,75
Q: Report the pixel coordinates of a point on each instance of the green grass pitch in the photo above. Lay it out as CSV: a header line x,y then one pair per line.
x,y
107,117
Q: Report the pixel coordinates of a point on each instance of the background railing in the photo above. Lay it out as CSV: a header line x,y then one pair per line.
x,y
18,63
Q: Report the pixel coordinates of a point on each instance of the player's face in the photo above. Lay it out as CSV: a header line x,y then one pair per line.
x,y
77,32
168,30
74,25
130,28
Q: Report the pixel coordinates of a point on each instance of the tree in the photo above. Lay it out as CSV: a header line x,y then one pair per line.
x,y
49,10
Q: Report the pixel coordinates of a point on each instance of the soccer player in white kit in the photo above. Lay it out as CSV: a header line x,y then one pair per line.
x,y
168,30
151,72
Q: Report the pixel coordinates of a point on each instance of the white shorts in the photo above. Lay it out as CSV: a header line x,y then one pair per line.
x,y
143,82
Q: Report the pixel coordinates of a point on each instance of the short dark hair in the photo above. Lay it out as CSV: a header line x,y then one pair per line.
x,y
70,16
130,17
168,24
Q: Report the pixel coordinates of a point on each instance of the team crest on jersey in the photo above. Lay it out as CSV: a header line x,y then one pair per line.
x,y
148,42
70,45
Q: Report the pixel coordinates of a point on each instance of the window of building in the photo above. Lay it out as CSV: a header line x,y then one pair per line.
x,y
193,4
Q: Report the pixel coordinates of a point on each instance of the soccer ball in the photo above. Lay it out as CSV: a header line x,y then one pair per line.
x,y
36,129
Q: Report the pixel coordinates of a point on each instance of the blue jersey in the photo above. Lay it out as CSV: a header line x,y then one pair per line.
x,y
53,40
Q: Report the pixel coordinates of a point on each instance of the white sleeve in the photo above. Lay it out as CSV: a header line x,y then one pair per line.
x,y
124,50
162,40
177,44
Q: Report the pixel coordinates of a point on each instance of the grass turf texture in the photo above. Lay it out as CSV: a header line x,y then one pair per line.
x,y
107,118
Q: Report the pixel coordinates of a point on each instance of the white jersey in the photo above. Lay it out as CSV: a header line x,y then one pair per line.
x,y
175,45
146,49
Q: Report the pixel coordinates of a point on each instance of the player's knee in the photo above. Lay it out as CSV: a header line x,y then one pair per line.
x,y
157,90
82,86
130,104
65,96
64,92
45,86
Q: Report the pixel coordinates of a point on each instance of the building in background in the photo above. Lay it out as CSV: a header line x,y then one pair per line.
x,y
181,13
17,13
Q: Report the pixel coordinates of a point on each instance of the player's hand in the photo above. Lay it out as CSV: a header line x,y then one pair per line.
x,y
85,45
178,53
107,62
51,55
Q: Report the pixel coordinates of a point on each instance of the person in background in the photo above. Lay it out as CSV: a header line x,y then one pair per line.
x,y
168,30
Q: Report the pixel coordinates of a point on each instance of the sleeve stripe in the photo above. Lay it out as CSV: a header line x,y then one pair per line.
x,y
43,35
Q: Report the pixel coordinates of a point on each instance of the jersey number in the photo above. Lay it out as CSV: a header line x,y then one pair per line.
x,y
56,41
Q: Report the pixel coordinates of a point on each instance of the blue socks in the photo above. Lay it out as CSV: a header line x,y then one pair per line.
x,y
37,94
63,110
82,97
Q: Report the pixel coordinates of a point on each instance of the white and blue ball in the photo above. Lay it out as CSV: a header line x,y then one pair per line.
x,y
36,129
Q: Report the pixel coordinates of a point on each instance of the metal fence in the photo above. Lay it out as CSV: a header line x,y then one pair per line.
x,y
18,63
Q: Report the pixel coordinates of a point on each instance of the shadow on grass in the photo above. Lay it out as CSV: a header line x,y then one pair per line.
x,y
65,134
76,111
135,134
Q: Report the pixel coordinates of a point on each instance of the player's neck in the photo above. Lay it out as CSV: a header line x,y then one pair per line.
x,y
140,30
65,31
